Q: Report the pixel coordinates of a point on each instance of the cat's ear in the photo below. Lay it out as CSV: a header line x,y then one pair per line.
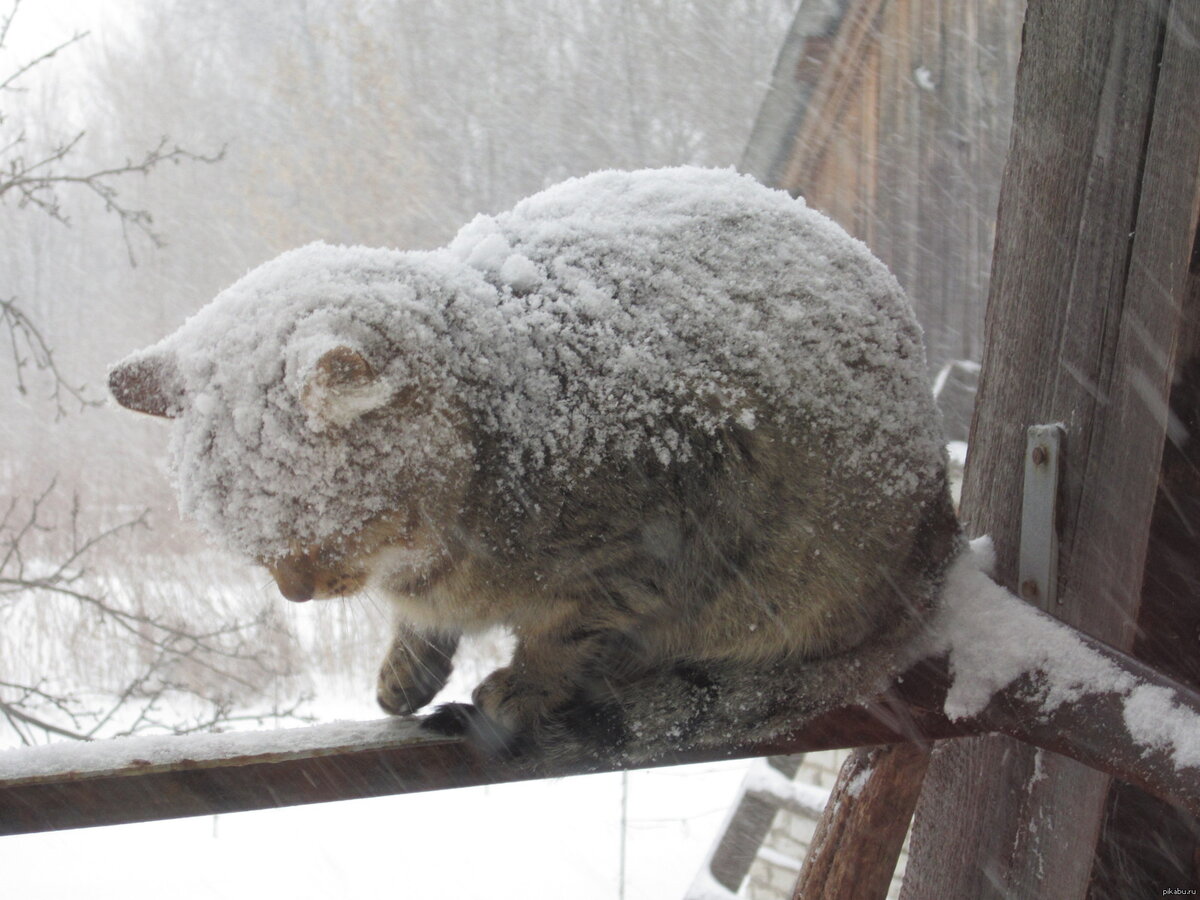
x,y
341,386
148,384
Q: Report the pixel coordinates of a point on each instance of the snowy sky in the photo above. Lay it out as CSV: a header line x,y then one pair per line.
x,y
46,22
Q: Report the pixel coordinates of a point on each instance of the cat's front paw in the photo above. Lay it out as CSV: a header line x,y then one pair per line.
x,y
414,671
401,695
452,720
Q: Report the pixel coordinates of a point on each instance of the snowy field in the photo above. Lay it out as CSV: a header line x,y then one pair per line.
x,y
546,839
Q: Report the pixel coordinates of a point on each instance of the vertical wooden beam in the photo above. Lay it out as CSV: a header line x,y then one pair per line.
x,y
1148,844
1097,216
858,840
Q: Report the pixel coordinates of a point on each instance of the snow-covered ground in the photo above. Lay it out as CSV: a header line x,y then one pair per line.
x,y
546,839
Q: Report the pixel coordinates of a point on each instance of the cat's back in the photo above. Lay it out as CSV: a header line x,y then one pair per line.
x,y
722,416
639,309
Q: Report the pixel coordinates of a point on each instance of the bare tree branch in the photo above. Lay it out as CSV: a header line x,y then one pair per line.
x,y
169,648
9,82
36,183
149,697
15,711
29,346
7,21
36,178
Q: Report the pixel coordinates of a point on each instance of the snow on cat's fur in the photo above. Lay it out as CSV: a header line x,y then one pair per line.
x,y
663,424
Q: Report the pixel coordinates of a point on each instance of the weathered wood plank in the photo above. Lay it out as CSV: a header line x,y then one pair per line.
x,y
1079,330
1147,843
854,851
814,80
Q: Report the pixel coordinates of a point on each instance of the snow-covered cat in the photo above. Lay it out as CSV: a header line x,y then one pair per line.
x,y
670,427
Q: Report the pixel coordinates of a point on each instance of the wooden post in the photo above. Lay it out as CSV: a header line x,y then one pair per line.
x,y
1096,227
1146,843
858,840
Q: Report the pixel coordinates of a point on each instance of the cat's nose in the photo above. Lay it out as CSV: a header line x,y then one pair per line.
x,y
296,577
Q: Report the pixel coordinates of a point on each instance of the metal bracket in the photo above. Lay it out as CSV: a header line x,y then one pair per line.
x,y
1037,566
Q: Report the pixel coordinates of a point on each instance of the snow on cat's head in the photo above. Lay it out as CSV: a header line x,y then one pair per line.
x,y
308,398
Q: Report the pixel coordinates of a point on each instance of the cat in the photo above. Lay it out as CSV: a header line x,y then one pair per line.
x,y
670,427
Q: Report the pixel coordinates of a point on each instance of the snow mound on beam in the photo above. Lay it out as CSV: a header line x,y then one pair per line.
x,y
994,638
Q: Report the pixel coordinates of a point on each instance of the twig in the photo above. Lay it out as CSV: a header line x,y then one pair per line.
x,y
29,346
36,184
11,713
7,22
8,82
139,703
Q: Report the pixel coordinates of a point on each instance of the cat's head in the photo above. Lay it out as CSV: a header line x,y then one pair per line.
x,y
315,427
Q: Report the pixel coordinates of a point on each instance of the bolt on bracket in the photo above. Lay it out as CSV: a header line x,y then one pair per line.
x,y
1037,564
